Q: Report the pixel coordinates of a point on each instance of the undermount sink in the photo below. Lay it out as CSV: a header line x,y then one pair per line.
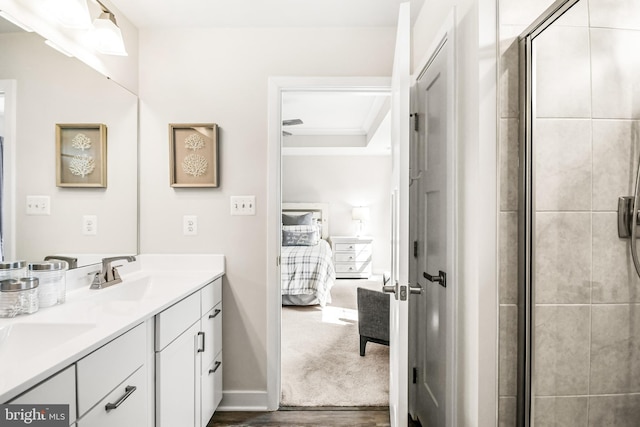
x,y
20,339
128,290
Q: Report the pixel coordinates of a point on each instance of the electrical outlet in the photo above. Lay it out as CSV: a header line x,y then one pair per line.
x,y
243,205
89,225
38,205
190,225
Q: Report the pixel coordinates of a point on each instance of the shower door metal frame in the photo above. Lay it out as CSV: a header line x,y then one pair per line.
x,y
526,209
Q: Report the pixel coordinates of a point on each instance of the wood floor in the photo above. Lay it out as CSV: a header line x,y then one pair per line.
x,y
355,417
306,417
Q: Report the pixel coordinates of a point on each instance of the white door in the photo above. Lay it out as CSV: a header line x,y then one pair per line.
x,y
430,313
399,317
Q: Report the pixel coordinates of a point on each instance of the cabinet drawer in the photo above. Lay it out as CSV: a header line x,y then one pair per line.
x,y
176,319
212,328
210,295
132,410
100,372
211,386
352,257
353,247
352,267
60,389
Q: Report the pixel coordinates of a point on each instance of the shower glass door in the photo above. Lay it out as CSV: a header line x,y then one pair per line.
x,y
580,335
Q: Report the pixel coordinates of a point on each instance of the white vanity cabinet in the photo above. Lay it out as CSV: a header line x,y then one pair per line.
x,y
188,349
112,383
60,389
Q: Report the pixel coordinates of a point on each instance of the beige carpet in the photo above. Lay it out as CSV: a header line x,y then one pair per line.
x,y
321,363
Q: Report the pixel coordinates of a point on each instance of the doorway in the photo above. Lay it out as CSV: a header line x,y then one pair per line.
x,y
278,89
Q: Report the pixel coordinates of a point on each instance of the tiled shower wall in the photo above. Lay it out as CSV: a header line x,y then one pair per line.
x,y
587,349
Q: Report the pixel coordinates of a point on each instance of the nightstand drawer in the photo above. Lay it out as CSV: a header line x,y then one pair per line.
x,y
353,247
352,267
353,257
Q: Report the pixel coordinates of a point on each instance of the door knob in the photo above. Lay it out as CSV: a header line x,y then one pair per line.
x,y
440,279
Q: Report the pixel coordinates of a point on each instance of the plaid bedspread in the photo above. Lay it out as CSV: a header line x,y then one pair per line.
x,y
308,270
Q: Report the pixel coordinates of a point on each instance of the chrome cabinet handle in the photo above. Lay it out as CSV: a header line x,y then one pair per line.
x,y
128,391
215,368
215,313
201,350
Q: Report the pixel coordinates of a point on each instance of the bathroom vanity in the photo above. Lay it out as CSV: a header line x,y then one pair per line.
x,y
145,352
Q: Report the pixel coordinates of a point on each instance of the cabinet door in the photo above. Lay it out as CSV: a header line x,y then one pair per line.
x,y
211,386
177,381
131,400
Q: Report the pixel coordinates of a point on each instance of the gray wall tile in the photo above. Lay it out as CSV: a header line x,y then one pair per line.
x,y
508,366
509,172
614,277
619,411
563,72
563,258
615,349
615,13
563,165
509,71
616,86
561,411
507,412
561,359
616,144
508,253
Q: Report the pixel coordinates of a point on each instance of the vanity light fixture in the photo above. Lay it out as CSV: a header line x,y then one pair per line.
x,y
107,34
71,13
15,22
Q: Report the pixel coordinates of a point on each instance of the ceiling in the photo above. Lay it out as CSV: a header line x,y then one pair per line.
x,y
263,13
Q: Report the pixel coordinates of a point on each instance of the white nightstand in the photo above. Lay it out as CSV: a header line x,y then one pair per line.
x,y
352,256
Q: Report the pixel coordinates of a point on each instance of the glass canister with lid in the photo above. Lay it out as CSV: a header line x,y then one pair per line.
x,y
52,278
18,296
12,269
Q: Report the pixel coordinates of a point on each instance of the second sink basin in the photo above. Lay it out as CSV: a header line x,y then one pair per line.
x,y
128,290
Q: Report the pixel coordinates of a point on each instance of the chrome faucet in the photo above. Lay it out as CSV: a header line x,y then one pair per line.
x,y
109,274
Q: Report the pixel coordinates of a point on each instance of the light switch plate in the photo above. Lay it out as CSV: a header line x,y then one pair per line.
x,y
243,205
38,205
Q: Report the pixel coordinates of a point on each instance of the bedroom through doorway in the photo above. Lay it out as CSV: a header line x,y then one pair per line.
x,y
336,223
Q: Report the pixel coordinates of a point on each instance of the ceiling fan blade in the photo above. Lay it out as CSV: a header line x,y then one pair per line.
x,y
292,122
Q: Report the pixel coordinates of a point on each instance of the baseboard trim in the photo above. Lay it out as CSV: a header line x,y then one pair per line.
x,y
240,400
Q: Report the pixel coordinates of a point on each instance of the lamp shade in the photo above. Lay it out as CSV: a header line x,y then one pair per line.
x,y
360,213
108,35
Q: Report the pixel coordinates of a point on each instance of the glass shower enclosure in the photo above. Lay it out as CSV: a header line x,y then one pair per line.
x,y
579,294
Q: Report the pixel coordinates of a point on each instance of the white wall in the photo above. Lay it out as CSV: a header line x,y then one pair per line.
x,y
221,75
345,182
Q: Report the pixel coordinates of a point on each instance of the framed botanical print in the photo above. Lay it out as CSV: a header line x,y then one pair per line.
x,y
193,155
81,155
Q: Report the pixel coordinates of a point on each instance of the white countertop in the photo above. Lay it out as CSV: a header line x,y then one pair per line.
x,y
35,346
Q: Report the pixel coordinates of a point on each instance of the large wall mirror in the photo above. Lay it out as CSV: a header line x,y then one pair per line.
x,y
40,88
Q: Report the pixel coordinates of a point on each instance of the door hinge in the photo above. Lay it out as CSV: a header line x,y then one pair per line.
x,y
415,375
278,261
416,122
415,249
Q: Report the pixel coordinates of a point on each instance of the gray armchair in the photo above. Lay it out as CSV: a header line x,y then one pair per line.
x,y
373,317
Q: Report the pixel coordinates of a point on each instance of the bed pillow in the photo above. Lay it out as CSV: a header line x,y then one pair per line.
x,y
304,219
300,235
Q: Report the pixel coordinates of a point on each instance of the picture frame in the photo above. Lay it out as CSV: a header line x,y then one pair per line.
x,y
193,155
81,155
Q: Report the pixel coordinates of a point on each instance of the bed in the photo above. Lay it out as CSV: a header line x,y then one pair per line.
x,y
306,262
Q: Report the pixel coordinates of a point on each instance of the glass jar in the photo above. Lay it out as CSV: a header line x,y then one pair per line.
x,y
12,269
52,278
18,296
